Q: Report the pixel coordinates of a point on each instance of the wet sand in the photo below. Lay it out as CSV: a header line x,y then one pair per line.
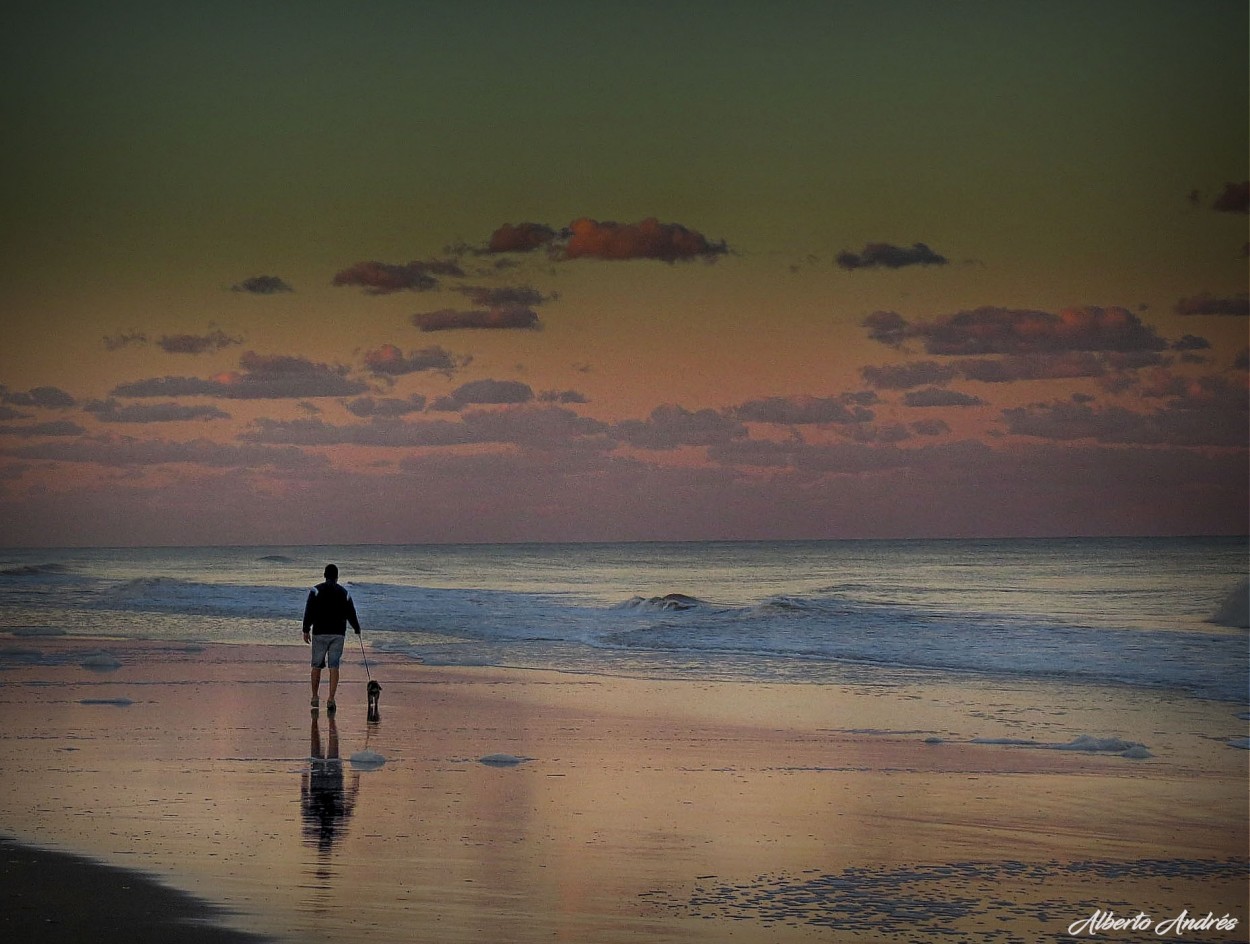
x,y
622,810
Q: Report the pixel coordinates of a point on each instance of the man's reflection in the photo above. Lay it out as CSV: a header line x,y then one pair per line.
x,y
325,803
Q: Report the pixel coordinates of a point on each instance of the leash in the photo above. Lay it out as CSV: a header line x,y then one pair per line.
x,y
363,656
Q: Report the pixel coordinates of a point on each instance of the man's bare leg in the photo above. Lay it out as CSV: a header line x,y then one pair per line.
x,y
334,684
316,681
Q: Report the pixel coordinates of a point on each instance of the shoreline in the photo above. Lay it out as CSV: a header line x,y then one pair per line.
x,y
625,809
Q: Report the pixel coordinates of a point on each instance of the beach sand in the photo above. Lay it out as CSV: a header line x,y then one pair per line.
x,y
622,810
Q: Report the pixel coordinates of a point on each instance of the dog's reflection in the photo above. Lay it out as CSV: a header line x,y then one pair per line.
x,y
326,801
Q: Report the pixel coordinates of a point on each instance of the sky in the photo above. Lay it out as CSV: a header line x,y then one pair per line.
x,y
322,273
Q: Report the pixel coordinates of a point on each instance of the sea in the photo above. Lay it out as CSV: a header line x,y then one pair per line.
x,y
1118,611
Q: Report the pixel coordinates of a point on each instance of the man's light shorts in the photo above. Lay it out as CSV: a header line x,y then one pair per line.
x,y
327,649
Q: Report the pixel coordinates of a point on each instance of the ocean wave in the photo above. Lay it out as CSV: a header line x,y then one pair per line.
x,y
1136,633
34,570
668,602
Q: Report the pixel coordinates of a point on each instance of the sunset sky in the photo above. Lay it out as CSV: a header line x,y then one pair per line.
x,y
488,271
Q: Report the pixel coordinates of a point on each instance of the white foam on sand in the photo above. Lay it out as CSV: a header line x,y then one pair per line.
x,y
1235,610
502,760
20,654
100,662
1085,742
367,759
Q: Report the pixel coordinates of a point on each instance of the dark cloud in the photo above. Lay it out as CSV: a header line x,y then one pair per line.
x,y
648,239
110,411
264,376
391,361
562,396
171,387
1191,342
53,428
196,343
889,433
503,317
1173,426
488,392
1015,331
1208,304
1062,366
505,296
366,407
888,256
906,376
262,285
935,396
124,451
126,339
535,427
930,427
385,431
1235,198
46,397
523,237
1212,391
546,427
888,327
383,278
670,426
799,411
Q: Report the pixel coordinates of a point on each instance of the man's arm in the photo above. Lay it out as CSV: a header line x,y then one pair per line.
x,y
351,614
308,612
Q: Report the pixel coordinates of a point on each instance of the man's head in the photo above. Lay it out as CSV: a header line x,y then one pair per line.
x,y
332,573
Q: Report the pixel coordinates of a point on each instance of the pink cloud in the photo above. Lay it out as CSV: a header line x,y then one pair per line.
x,y
648,239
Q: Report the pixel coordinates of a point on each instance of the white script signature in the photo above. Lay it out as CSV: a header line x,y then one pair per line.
x,y
1182,924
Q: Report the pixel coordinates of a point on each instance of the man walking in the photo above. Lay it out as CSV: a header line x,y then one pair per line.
x,y
326,614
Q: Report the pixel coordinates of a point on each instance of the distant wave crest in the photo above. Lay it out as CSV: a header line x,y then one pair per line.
x,y
33,570
668,602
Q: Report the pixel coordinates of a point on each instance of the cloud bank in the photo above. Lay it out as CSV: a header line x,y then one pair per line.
x,y
991,330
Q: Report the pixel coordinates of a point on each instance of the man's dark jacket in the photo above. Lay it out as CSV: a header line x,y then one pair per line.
x,y
329,609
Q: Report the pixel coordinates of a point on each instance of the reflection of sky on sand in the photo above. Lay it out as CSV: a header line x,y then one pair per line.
x,y
635,795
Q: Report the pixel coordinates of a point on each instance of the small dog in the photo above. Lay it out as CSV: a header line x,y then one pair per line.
x,y
375,693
